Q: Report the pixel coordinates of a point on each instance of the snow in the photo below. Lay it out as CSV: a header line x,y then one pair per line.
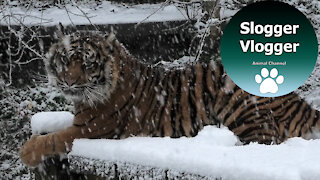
x,y
227,13
212,153
180,63
17,105
46,122
105,13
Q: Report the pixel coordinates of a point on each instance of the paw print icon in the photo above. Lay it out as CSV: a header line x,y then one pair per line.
x,y
269,82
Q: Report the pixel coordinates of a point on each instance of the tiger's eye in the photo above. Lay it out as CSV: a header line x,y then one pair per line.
x,y
89,65
89,57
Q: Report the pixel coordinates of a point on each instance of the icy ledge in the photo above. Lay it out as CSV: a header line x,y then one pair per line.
x,y
211,154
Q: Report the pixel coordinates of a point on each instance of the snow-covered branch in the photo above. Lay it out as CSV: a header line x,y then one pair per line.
x,y
20,39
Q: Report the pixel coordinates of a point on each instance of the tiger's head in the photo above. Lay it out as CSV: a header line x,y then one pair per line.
x,y
82,65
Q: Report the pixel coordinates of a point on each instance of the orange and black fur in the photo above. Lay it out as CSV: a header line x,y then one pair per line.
x,y
117,96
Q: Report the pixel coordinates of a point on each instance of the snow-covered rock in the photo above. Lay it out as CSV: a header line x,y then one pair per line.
x,y
46,122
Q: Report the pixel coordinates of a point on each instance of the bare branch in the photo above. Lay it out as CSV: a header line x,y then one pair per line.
x,y
68,15
84,14
163,5
16,51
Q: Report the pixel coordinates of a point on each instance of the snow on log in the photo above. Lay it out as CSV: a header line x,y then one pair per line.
x,y
213,154
46,122
121,170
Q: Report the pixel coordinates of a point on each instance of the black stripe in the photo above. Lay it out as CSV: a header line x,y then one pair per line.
x,y
205,85
173,80
268,139
222,75
295,112
249,130
193,108
224,102
90,120
304,118
147,78
237,104
164,84
206,97
128,101
79,125
299,121
315,119
153,115
150,93
178,105
242,119
145,89
254,106
82,110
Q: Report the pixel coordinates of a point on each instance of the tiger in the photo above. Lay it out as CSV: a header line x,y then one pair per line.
x,y
117,96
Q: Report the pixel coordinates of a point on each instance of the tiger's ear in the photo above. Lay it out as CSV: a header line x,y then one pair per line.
x,y
111,37
60,31
110,40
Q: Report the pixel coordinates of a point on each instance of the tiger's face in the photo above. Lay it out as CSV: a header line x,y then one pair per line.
x,y
82,66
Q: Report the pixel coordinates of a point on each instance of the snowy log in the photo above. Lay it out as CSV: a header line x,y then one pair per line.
x,y
97,169
215,153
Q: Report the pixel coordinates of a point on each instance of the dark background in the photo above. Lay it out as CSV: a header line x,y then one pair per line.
x,y
150,42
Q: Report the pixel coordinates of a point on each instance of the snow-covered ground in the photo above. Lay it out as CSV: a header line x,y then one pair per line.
x,y
16,108
80,13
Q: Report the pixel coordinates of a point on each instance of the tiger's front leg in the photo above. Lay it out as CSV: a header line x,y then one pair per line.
x,y
85,125
41,146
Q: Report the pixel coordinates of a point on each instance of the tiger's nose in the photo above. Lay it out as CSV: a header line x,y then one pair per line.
x,y
69,81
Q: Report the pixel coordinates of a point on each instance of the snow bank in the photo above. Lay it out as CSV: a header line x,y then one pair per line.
x,y
46,122
106,13
213,153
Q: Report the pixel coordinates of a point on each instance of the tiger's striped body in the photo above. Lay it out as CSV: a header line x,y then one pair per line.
x,y
142,100
180,102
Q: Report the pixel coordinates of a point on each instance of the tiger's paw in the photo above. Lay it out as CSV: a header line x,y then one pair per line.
x,y
33,151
